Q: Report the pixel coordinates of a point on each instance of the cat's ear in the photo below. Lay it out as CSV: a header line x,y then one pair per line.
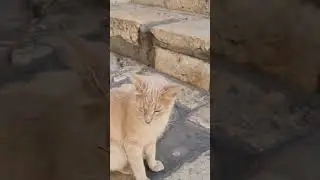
x,y
170,91
138,82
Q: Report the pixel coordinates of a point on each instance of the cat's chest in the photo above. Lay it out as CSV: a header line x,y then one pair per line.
x,y
153,132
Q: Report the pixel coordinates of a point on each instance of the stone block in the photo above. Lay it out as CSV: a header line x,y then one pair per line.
x,y
185,68
201,116
198,169
191,37
126,20
119,1
194,6
130,25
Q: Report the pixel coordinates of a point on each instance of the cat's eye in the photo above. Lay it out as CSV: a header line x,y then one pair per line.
x,y
157,111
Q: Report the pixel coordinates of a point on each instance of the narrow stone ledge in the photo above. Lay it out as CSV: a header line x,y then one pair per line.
x,y
185,68
194,6
190,37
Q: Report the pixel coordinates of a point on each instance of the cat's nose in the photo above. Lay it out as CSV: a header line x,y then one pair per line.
x,y
148,120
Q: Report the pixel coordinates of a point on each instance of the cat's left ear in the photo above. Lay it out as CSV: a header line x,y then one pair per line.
x,y
170,91
138,83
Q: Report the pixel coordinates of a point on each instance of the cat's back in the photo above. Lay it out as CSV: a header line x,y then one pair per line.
x,y
119,99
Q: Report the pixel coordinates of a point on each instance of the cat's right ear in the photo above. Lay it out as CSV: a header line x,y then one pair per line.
x,y
138,83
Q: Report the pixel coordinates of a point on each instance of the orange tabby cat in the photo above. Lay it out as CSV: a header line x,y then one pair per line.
x,y
139,113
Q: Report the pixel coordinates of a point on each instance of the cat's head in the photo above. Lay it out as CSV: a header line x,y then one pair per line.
x,y
154,96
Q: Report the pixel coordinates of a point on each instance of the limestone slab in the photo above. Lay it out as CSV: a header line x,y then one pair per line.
x,y
198,169
195,6
127,19
185,68
119,1
191,37
201,116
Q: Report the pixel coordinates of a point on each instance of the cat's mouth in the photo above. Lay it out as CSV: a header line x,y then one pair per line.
x,y
147,121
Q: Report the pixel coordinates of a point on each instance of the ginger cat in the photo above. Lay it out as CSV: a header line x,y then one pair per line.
x,y
139,113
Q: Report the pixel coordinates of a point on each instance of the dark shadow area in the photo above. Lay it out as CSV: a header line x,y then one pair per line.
x,y
265,90
53,117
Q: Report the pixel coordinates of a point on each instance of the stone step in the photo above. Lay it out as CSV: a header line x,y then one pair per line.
x,y
194,6
172,42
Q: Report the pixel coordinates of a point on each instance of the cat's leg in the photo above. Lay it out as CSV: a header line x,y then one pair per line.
x,y
117,157
126,170
135,158
154,165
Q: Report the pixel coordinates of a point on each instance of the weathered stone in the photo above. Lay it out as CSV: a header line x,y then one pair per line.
x,y
195,6
185,68
119,1
114,66
191,98
130,25
188,37
201,116
198,169
127,19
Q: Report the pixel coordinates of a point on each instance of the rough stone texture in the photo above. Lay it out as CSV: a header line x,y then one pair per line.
x,y
201,116
198,169
195,6
188,37
182,67
119,1
269,34
126,19
130,25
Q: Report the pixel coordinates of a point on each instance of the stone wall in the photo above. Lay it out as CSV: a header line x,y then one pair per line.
x,y
280,37
174,43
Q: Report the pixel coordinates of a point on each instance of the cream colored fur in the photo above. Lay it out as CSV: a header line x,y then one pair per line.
x,y
139,113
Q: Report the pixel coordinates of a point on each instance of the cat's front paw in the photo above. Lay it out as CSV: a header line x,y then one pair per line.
x,y
157,166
